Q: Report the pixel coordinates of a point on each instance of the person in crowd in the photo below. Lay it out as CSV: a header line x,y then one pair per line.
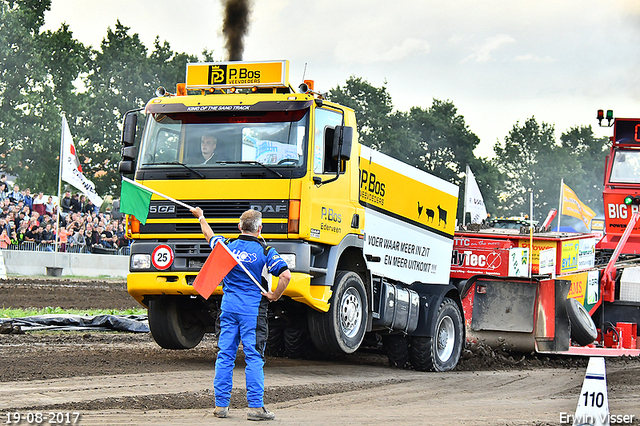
x,y
65,204
4,225
95,239
48,235
77,240
38,203
121,234
27,198
88,207
5,240
63,236
50,207
30,233
15,195
4,191
14,239
76,207
108,238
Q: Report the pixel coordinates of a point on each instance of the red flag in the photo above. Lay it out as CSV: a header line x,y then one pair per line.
x,y
219,263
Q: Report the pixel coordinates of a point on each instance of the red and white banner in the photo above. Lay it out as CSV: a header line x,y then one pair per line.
x,y
71,168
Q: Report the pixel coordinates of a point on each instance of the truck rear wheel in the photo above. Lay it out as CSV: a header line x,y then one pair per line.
x,y
583,329
397,347
173,324
442,351
341,330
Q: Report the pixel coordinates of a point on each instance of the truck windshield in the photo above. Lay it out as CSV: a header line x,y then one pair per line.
x,y
626,167
214,140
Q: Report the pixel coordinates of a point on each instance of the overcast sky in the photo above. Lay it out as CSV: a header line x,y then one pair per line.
x,y
498,61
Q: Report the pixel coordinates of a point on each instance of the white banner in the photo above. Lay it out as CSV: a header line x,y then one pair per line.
x,y
473,202
71,168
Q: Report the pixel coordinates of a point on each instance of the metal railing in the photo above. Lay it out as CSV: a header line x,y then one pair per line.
x,y
63,248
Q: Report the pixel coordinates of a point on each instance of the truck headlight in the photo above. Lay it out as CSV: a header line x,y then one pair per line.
x,y
290,259
140,261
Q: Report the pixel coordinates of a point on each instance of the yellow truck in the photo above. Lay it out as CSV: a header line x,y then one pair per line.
x,y
368,239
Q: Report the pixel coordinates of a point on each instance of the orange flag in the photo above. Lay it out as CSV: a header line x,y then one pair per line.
x,y
219,263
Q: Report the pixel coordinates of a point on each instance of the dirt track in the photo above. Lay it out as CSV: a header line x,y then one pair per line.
x,y
122,378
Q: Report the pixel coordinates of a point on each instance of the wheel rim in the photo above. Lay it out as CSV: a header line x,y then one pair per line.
x,y
446,338
350,312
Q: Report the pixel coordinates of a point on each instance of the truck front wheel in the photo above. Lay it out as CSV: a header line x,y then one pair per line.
x,y
173,324
342,329
442,351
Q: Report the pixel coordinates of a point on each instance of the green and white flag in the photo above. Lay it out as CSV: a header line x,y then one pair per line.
x,y
135,200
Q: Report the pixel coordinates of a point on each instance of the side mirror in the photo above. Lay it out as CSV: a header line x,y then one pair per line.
x,y
129,129
342,148
127,167
129,153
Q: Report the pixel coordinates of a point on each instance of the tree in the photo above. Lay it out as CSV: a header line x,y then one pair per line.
x,y
436,140
124,77
586,153
530,160
45,74
372,106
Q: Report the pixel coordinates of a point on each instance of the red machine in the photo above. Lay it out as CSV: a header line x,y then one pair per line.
x,y
582,295
622,185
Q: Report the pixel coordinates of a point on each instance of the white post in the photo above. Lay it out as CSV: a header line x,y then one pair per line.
x,y
560,202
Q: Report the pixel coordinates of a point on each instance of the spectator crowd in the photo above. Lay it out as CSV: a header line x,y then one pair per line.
x,y
29,221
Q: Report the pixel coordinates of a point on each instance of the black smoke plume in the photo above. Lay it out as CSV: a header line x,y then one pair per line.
x,y
235,26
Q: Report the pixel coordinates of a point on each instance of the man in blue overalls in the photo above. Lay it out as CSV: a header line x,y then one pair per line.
x,y
243,315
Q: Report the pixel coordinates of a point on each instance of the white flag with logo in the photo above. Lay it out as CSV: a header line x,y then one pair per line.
x,y
473,203
71,168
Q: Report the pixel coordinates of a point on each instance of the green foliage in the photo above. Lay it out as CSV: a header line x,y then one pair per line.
x,y
45,74
531,159
436,140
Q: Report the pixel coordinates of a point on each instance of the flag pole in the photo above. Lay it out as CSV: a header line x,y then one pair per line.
x,y
244,268
560,202
55,264
466,196
530,232
139,185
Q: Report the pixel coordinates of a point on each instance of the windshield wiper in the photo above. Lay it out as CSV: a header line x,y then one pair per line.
x,y
175,163
255,163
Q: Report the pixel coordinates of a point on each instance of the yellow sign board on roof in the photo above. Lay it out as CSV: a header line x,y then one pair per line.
x,y
237,74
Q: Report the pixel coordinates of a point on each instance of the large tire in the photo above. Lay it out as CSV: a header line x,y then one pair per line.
x,y
275,338
341,330
173,323
397,347
296,340
583,329
442,351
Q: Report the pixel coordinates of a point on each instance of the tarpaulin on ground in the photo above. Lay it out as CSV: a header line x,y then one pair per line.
x,y
132,323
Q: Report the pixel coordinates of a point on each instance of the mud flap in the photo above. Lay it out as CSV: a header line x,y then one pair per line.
x,y
553,329
521,314
504,306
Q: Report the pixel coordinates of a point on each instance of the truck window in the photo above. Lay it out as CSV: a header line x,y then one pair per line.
x,y
161,140
211,140
626,167
321,160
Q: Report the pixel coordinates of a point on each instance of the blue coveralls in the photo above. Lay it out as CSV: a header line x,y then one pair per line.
x,y
243,318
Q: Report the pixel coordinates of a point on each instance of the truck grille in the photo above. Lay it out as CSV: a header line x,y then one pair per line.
x,y
215,209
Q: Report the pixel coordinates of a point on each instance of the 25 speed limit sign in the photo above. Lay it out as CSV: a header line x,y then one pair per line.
x,y
162,257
